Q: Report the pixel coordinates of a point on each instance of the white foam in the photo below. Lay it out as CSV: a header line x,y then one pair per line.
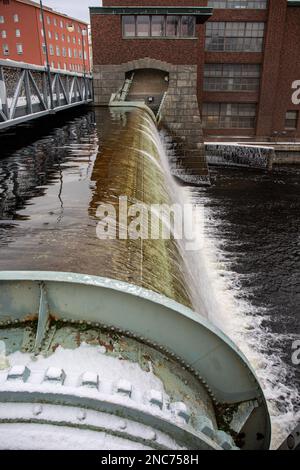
x,y
229,307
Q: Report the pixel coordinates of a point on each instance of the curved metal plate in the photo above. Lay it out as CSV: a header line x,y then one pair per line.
x,y
147,314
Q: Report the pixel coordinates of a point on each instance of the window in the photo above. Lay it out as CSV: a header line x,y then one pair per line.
x,y
3,34
231,77
70,53
19,49
1,19
48,20
173,26
75,53
42,32
250,4
61,24
50,34
143,25
57,51
74,40
187,27
58,65
55,22
235,36
158,26
229,115
51,49
62,37
291,120
129,26
56,36
16,18
64,52
44,49
18,33
68,38
5,49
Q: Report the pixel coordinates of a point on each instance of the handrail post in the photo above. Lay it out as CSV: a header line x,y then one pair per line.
x,y
47,57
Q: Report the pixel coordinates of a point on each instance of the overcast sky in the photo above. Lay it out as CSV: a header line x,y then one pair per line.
x,y
76,8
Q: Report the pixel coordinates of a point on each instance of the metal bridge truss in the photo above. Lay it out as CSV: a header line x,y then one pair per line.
x,y
26,94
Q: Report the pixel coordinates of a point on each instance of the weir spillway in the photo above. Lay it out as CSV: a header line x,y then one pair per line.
x,y
102,342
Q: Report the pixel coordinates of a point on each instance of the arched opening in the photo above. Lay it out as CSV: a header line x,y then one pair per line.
x,y
148,85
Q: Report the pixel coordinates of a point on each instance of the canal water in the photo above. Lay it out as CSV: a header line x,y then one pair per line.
x,y
245,278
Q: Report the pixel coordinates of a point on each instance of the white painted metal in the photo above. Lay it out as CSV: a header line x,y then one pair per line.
x,y
16,106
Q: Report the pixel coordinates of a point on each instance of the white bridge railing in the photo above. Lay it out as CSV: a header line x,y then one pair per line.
x,y
26,94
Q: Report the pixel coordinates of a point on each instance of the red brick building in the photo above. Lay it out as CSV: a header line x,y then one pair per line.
x,y
246,54
22,36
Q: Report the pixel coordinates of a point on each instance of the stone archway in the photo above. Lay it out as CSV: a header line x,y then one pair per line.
x,y
180,113
108,79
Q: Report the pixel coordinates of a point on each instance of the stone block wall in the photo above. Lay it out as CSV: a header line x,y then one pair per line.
x,y
180,113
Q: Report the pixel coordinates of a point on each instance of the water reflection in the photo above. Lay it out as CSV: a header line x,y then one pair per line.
x,y
51,191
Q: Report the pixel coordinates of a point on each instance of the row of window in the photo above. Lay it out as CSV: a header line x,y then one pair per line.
x,y
234,36
232,77
72,67
5,49
4,33
64,52
156,26
63,37
238,116
16,19
220,36
249,4
61,23
71,53
229,115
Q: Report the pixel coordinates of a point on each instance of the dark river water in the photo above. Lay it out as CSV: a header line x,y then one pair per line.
x,y
51,180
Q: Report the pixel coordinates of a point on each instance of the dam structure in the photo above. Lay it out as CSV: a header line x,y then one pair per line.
x,y
106,339
102,345
150,54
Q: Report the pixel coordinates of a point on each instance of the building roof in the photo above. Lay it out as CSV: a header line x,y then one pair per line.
x,y
51,10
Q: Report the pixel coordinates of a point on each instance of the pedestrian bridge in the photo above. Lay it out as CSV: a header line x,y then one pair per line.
x,y
28,92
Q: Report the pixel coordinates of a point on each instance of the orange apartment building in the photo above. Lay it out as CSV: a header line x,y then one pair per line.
x,y
22,37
